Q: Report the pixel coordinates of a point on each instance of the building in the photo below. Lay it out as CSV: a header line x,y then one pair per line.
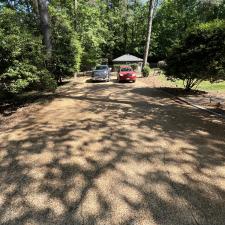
x,y
130,60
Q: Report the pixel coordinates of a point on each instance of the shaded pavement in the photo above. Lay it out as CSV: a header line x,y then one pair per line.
x,y
109,153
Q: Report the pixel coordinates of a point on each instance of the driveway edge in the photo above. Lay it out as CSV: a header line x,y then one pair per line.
x,y
195,106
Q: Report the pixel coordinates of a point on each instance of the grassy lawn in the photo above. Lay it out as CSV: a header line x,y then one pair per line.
x,y
204,86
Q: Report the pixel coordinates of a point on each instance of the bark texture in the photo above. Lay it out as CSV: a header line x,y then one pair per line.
x,y
149,32
45,25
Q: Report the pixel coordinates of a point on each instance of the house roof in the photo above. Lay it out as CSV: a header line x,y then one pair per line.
x,y
128,58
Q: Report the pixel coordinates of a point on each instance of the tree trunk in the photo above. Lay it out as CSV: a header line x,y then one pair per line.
x,y
75,5
75,14
133,28
125,37
125,24
149,32
45,26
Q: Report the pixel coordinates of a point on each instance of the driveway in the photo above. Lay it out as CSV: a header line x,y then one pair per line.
x,y
111,154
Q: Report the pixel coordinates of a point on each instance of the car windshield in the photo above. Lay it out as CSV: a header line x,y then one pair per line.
x,y
125,69
101,68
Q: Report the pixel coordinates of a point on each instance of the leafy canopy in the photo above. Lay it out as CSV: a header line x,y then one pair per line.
x,y
200,56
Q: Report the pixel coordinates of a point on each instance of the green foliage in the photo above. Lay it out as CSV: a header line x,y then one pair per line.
x,y
21,56
200,56
127,26
93,30
22,76
203,86
174,17
92,33
46,81
18,77
67,50
17,44
146,71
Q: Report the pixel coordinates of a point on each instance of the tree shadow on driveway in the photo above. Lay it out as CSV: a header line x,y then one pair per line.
x,y
113,154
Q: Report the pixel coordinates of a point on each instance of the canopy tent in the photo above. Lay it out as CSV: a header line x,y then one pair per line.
x,y
127,59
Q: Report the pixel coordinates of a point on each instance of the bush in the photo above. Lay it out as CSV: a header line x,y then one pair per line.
x,y
22,76
161,64
200,56
46,81
18,77
146,71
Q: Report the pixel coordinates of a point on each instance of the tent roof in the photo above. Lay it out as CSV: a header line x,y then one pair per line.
x,y
128,58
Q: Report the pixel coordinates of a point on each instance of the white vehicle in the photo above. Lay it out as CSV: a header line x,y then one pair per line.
x,y
101,73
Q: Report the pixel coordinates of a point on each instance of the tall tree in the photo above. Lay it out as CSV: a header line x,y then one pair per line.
x,y
45,25
149,32
174,17
75,13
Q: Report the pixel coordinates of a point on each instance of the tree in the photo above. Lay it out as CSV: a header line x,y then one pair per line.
x,y
93,31
67,49
149,32
21,57
75,13
81,34
173,17
200,56
45,25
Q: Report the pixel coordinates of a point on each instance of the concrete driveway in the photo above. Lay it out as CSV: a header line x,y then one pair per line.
x,y
111,154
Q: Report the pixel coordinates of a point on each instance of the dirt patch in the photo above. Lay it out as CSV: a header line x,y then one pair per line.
x,y
13,112
16,109
15,117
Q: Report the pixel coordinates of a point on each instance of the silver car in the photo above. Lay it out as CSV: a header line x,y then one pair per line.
x,y
101,73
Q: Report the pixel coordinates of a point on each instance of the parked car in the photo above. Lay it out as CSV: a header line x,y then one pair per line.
x,y
101,73
126,73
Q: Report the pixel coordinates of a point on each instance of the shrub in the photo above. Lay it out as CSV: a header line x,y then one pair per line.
x,y
161,64
22,76
18,77
46,81
200,56
146,71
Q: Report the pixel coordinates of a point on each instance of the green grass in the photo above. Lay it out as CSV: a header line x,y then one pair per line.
x,y
204,86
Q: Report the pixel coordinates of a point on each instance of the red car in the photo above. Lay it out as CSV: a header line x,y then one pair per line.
x,y
126,73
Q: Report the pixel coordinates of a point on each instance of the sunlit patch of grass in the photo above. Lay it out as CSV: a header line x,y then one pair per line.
x,y
204,86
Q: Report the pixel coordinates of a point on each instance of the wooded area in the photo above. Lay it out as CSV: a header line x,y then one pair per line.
x,y
43,41
112,112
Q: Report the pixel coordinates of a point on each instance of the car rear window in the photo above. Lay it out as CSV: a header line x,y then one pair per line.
x,y
125,69
101,67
